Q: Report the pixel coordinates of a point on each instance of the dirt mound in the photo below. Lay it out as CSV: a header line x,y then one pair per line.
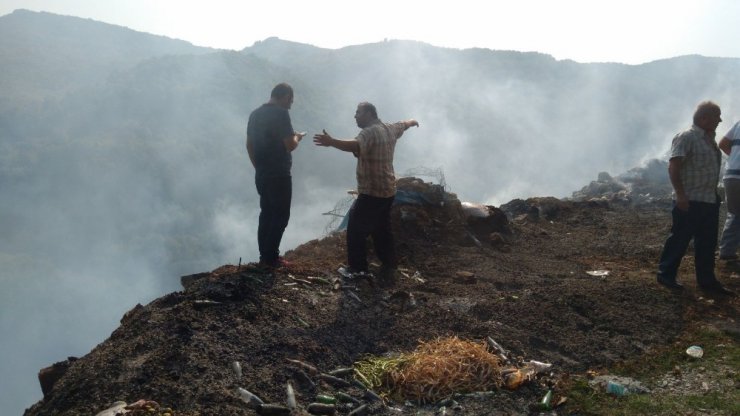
x,y
529,289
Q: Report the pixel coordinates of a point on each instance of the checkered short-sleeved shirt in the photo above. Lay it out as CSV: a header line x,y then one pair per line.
x,y
375,175
701,164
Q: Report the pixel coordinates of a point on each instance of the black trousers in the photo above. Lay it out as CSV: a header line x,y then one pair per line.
x,y
275,195
700,222
370,216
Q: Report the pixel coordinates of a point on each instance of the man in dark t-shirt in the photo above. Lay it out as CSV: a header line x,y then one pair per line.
x,y
270,139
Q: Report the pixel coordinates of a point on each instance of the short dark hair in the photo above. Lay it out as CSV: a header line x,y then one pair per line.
x,y
704,109
281,90
366,106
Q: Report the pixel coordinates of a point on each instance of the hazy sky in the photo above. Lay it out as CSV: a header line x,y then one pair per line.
x,y
628,31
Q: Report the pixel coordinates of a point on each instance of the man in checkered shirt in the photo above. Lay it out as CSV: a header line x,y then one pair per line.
x,y
694,172
376,185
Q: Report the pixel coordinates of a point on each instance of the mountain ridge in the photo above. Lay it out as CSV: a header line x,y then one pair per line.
x,y
32,41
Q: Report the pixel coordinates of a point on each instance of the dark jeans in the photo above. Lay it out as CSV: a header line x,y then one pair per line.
x,y
700,223
370,216
275,195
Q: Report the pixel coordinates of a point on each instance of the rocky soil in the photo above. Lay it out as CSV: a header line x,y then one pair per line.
x,y
569,283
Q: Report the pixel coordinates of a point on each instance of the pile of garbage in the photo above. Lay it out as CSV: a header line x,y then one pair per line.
x,y
534,209
642,185
427,212
424,205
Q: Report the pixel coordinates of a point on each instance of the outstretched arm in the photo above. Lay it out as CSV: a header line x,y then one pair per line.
x,y
324,139
410,123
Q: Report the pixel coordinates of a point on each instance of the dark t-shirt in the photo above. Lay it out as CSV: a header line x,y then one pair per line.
x,y
268,126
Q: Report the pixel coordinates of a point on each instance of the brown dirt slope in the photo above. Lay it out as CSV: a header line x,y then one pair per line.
x,y
526,286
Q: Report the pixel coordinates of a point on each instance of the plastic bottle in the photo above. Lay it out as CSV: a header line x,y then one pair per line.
x,y
236,367
547,400
616,389
326,399
695,351
248,397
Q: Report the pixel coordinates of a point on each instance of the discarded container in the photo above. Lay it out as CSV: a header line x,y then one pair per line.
x,y
334,381
339,372
204,303
412,300
372,396
345,398
616,389
347,274
532,367
250,398
116,409
360,411
290,396
321,409
695,351
237,368
326,399
514,379
630,385
417,276
495,345
598,273
477,394
547,400
318,279
272,410
310,369
354,296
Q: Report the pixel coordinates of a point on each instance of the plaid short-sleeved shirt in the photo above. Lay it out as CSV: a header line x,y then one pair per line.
x,y
701,164
375,175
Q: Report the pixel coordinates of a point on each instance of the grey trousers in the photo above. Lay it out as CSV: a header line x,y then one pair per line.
x,y
731,232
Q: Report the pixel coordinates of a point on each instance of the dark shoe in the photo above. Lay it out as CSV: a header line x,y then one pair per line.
x,y
281,262
389,266
716,289
270,266
265,267
387,276
670,283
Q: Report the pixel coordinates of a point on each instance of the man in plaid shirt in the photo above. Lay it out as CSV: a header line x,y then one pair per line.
x,y
376,185
693,169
